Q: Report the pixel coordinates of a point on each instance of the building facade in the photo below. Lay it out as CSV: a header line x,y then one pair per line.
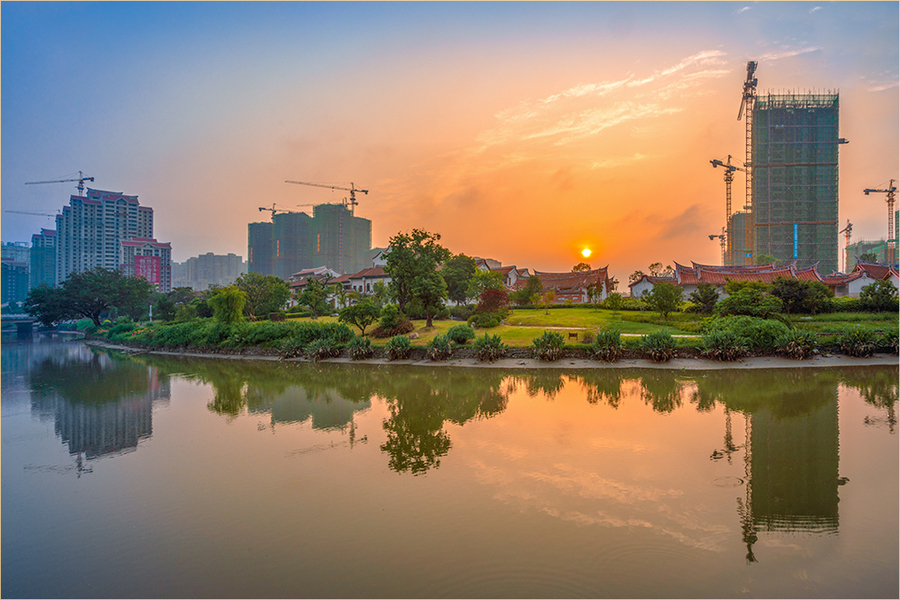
x,y
90,231
14,278
200,272
43,258
794,144
147,258
332,237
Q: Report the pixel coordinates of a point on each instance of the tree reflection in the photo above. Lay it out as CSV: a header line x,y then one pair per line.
x,y
102,377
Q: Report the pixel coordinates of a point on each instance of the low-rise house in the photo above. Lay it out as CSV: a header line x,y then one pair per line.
x,y
646,283
364,281
574,287
863,274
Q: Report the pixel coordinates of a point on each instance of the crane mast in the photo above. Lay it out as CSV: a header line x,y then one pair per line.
x,y
890,199
729,177
748,102
847,231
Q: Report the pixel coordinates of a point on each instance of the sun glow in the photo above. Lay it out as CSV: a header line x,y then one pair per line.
x,y
586,252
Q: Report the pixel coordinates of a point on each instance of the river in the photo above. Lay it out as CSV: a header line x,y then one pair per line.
x,y
160,476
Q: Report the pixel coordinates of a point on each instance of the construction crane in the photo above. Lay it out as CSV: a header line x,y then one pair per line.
x,y
729,177
721,237
80,179
350,203
748,102
273,209
891,197
22,212
846,231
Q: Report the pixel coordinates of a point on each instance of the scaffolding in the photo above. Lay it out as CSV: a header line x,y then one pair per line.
x,y
795,182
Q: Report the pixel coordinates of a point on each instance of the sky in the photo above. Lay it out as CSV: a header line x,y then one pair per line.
x,y
523,132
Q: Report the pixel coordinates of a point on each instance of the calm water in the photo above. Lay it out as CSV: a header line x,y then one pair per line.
x,y
159,477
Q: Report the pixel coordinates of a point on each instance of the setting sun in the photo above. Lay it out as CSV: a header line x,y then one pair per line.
x,y
586,252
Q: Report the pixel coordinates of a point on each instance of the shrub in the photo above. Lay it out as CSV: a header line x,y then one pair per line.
x,y
439,348
664,298
489,348
797,344
398,347
607,346
461,334
704,298
880,296
485,320
810,297
758,333
658,346
588,337
888,342
462,313
614,302
724,345
857,342
548,347
392,323
122,325
360,348
322,348
752,302
86,325
493,301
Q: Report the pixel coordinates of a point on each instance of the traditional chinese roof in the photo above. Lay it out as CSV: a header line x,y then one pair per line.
x,y
563,282
654,280
371,272
875,270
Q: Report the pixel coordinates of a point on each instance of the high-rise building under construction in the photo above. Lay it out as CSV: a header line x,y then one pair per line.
x,y
332,237
794,143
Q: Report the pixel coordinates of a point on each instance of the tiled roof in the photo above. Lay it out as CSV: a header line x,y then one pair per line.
x,y
370,272
875,270
570,281
654,280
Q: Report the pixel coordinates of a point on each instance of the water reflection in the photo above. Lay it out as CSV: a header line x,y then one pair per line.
x,y
100,403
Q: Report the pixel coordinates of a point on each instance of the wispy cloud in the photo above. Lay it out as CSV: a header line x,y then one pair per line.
x,y
744,9
788,53
814,9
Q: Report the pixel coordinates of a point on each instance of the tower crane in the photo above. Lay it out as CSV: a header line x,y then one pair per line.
x,y
891,197
80,179
351,202
748,102
721,238
22,212
729,177
846,231
272,210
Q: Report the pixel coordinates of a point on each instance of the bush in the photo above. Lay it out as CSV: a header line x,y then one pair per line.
x,y
658,346
704,298
723,345
888,342
880,296
398,347
439,348
759,334
322,348
360,348
485,320
607,346
548,347
797,344
489,348
858,342
86,325
462,313
122,325
664,298
752,302
392,323
461,334
809,297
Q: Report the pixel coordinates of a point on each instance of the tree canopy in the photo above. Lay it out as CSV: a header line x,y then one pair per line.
x,y
89,294
265,293
456,273
362,314
413,263
664,298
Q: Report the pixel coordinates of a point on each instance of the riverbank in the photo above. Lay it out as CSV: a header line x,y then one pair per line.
x,y
521,362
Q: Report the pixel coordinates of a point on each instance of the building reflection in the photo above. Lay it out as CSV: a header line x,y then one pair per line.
x,y
101,404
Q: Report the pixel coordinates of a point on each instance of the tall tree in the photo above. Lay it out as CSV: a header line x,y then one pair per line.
x,y
581,267
412,262
482,281
313,297
265,293
88,294
456,273
663,298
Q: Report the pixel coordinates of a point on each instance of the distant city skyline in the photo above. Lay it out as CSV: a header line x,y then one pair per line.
x,y
523,132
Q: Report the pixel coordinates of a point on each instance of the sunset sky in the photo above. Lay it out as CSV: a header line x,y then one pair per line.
x,y
522,132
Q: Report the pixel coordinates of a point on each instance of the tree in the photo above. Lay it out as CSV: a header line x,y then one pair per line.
x,y
456,273
362,314
879,296
483,280
797,296
705,297
868,257
612,284
547,299
635,276
595,292
265,293
228,304
664,298
381,294
340,294
533,287
313,297
657,270
88,294
493,301
766,259
429,291
614,301
581,267
749,301
412,263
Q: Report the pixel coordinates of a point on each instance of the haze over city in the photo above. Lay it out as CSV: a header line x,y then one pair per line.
x,y
520,132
